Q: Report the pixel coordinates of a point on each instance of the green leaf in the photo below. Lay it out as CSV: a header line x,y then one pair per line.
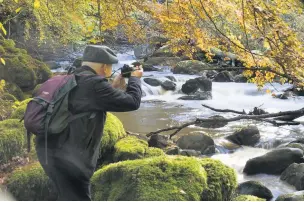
x,y
18,10
2,28
2,61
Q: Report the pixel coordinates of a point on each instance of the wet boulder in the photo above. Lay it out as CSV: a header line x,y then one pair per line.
x,y
292,145
248,136
168,85
173,150
198,141
144,50
152,81
296,196
164,51
149,68
190,152
240,79
193,85
190,67
171,78
224,76
274,162
254,188
294,175
158,141
163,61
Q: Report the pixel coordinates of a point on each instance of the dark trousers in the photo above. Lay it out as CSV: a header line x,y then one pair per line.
x,y
70,185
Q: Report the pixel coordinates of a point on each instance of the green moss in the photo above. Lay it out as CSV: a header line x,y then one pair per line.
x,y
8,97
18,113
30,183
12,140
113,131
130,148
21,68
151,179
222,181
248,198
14,90
151,152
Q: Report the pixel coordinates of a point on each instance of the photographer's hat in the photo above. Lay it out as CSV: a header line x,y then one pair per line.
x,y
99,54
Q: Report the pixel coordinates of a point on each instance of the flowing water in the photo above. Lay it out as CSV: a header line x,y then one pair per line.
x,y
161,109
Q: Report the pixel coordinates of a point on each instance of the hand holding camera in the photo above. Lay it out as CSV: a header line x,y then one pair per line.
x,y
135,69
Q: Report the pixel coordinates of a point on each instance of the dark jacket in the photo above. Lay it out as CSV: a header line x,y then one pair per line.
x,y
77,148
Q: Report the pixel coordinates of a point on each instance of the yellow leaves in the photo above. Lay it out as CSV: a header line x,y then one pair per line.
x,y
36,4
2,28
2,85
18,10
268,91
2,61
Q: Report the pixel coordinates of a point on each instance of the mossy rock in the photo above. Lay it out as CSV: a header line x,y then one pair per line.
x,y
21,68
222,181
36,89
20,110
112,132
151,179
30,183
14,90
130,148
248,198
12,139
8,97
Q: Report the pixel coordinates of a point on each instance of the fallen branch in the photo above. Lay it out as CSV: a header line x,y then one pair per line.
x,y
263,118
224,110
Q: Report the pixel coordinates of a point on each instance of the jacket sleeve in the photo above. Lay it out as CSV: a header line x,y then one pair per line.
x,y
115,100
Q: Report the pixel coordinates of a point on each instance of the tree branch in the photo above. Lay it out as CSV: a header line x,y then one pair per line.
x,y
223,110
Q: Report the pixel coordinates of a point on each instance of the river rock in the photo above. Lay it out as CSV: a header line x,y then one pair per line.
x,y
190,67
171,78
214,124
296,196
198,96
274,162
223,76
158,141
77,62
294,175
168,85
248,136
163,61
191,86
52,64
173,151
255,189
190,152
164,51
210,74
144,50
292,145
152,81
149,68
240,79
198,141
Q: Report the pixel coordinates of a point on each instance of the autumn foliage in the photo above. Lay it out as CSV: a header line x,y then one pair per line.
x,y
262,33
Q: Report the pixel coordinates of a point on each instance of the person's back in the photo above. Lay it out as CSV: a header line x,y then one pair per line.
x,y
72,155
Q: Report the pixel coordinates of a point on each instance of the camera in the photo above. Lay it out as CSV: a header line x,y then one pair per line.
x,y
126,70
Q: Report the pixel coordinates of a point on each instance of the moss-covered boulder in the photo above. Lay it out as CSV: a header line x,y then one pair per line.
x,y
12,139
112,132
130,148
14,90
21,68
151,179
296,196
164,178
248,198
221,180
30,183
20,110
8,97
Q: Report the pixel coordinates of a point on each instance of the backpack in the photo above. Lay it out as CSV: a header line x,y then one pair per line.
x,y
48,113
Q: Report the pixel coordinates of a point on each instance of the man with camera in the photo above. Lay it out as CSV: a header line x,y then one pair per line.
x,y
72,155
